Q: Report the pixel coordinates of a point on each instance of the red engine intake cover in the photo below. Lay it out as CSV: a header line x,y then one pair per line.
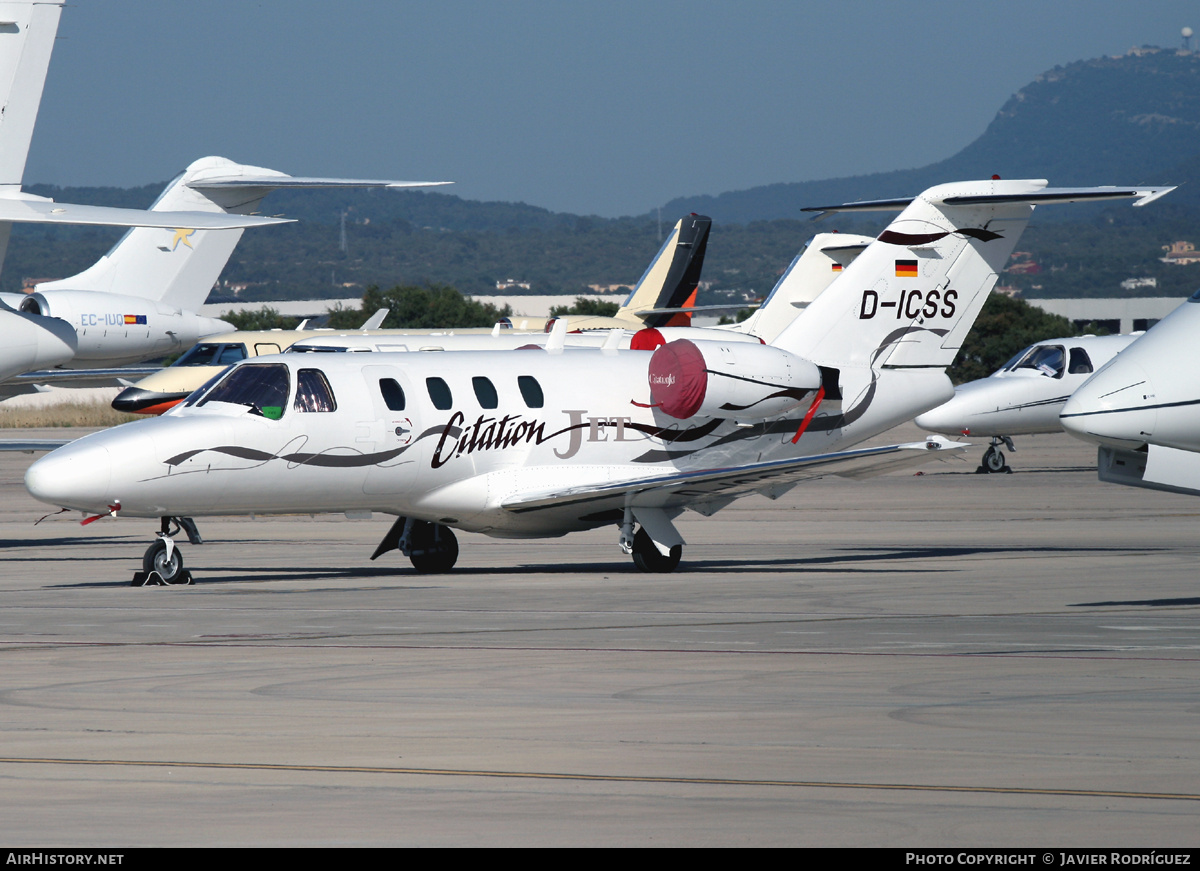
x,y
678,380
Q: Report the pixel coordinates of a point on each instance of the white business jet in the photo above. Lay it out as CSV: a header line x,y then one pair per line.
x,y
27,32
141,299
1025,395
530,444
1143,408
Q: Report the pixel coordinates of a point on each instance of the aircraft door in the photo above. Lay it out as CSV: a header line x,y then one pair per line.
x,y
388,432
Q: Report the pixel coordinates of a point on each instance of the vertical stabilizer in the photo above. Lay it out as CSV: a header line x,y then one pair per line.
x,y
175,267
824,258
671,280
27,32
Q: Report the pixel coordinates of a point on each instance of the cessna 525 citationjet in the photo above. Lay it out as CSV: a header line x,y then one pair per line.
x,y
532,444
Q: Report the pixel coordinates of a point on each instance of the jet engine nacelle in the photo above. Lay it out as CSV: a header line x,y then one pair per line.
x,y
32,343
113,329
733,379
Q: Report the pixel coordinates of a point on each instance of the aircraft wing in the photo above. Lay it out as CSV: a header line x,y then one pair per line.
x,y
30,446
721,485
80,376
39,211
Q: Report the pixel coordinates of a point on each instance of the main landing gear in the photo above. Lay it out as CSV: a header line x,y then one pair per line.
x,y
431,547
162,564
655,534
993,457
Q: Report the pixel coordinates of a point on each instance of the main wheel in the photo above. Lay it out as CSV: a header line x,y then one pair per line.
x,y
993,460
433,549
648,558
156,560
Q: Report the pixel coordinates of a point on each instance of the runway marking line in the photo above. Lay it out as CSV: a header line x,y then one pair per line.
x,y
606,778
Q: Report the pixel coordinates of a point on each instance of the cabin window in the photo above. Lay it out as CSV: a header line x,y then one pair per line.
x,y
439,393
1081,364
531,391
485,392
393,393
313,392
261,387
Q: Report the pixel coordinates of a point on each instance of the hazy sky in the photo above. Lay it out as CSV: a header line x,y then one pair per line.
x,y
606,108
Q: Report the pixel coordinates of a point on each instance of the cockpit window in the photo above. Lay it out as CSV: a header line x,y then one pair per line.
x,y
213,354
485,392
1012,364
531,391
1050,360
1195,297
313,392
261,387
439,393
1081,363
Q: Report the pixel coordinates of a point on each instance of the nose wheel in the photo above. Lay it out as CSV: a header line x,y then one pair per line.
x,y
993,461
162,564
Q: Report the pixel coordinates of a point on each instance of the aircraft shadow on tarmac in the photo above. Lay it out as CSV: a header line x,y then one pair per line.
x,y
1153,603
883,560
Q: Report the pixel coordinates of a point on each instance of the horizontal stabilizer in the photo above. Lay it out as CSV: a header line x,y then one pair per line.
x,y
696,309
683,489
287,181
39,211
1034,192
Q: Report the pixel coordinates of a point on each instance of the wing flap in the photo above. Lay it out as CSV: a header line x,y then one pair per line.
x,y
685,488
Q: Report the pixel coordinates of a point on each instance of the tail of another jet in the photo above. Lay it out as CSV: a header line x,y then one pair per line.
x,y
909,300
669,284
178,267
27,32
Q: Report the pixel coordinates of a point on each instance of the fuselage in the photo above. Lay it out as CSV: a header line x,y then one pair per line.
x,y
1025,396
448,438
1148,395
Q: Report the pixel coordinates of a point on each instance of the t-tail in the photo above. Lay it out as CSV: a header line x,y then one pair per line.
x,y
911,297
178,267
907,302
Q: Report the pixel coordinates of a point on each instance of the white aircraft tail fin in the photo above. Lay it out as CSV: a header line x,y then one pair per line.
x,y
178,267
823,259
669,283
27,32
909,299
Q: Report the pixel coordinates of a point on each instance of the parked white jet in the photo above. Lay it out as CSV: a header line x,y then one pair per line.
x,y
27,32
140,300
1143,408
530,444
1025,395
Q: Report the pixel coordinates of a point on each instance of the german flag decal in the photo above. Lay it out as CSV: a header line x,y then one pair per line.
x,y
837,267
906,269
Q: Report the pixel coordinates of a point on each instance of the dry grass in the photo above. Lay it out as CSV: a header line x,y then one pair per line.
x,y
91,414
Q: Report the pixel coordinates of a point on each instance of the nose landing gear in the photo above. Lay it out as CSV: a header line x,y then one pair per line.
x,y
162,564
993,458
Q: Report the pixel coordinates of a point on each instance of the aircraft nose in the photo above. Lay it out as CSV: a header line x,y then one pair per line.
x,y
74,476
1116,407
